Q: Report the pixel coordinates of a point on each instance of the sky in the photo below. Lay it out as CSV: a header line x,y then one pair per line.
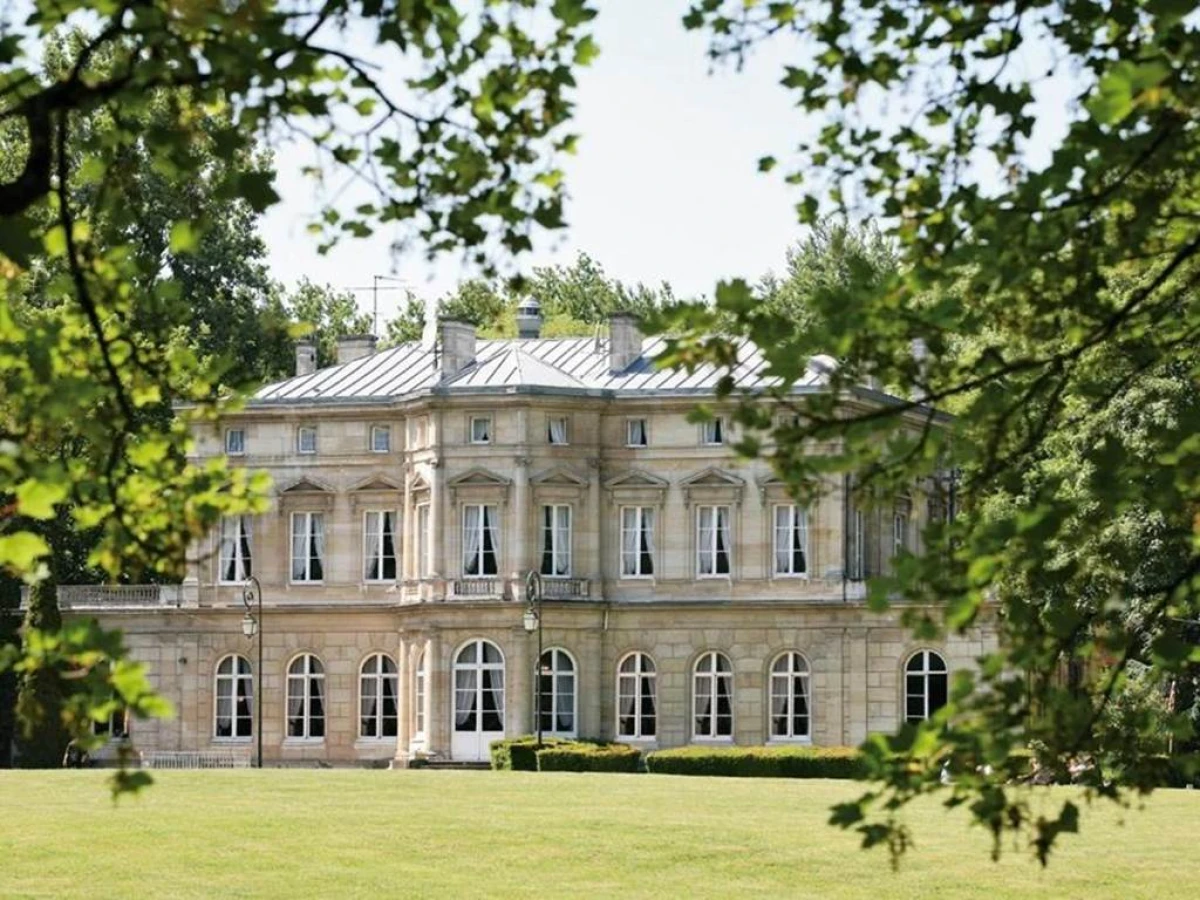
x,y
664,186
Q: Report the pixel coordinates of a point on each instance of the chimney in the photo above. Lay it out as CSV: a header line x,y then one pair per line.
x,y
529,319
354,346
624,341
306,357
458,346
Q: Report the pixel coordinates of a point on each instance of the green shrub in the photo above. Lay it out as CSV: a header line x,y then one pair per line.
x,y
579,756
519,753
758,762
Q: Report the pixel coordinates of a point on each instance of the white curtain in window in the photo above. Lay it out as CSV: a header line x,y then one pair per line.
x,y
637,432
558,431
466,697
722,538
472,540
647,541
783,534
491,545
706,563
374,537
299,541
317,563
629,541
562,540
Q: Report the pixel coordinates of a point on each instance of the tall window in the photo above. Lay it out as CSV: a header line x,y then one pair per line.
x,y
556,430
232,716
637,541
379,546
857,550
423,541
235,559
556,540
713,544
306,439
419,688
308,546
479,688
378,687
712,697
790,707
926,684
306,698
791,540
636,434
481,541
481,430
636,697
901,513
712,431
235,441
381,439
556,686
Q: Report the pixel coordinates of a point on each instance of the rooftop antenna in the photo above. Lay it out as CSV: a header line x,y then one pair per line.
x,y
375,279
429,332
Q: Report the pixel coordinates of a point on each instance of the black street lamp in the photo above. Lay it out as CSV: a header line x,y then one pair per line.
x,y
252,625
532,620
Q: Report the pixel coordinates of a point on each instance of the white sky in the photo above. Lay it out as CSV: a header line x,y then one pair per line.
x,y
664,186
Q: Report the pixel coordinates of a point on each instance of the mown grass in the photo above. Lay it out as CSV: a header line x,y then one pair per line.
x,y
344,833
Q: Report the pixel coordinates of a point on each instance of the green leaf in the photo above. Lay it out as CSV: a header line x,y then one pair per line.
x,y
37,499
184,237
18,239
22,550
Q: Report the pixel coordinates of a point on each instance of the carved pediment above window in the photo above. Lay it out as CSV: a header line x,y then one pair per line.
x,y
478,484
714,485
419,483
559,483
376,491
637,485
307,492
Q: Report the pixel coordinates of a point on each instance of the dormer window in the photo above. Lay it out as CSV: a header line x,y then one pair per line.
x,y
712,432
381,439
636,433
235,442
481,429
556,430
306,439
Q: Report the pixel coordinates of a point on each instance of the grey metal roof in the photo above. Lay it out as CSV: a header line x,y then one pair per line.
x,y
551,365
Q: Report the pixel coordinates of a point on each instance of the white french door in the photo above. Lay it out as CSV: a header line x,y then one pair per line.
x,y
478,700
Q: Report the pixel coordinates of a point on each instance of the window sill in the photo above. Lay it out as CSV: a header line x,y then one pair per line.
x,y
374,743
790,576
713,741
235,741
648,578
788,742
306,584
303,742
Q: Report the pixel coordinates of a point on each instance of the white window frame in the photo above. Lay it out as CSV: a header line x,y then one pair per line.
x,y
471,439
629,424
229,433
308,518
550,702
644,668
796,667
858,545
643,526
377,680
420,686
713,542
386,432
565,422
710,679
313,673
384,515
300,446
797,522
236,680
901,522
550,540
925,670
714,432
484,530
238,549
423,541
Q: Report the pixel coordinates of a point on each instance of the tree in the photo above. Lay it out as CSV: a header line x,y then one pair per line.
x,y
465,149
327,314
10,622
43,739
1042,290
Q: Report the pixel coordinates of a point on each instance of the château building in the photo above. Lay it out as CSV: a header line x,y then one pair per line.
x,y
687,597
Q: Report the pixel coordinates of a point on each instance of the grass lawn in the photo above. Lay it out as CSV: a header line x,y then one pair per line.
x,y
348,833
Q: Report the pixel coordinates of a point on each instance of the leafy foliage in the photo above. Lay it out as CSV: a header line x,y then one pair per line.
x,y
1049,296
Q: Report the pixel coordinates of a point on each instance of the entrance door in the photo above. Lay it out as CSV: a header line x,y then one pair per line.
x,y
478,700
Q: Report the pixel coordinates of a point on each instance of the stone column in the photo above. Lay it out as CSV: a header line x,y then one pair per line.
x,y
436,538
403,702
407,530
439,697
520,687
427,705
519,526
596,515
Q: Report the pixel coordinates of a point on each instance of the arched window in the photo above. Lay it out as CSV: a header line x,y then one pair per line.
x,y
712,697
556,684
791,715
925,685
636,697
419,691
306,697
232,715
378,687
479,688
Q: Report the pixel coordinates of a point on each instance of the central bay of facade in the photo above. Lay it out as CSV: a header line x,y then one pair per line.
x,y
686,597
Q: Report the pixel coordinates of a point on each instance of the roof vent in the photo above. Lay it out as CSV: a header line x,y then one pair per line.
x,y
624,341
354,346
529,319
458,346
306,357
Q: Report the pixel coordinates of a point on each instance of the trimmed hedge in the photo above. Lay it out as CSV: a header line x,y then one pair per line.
x,y
758,762
585,757
519,754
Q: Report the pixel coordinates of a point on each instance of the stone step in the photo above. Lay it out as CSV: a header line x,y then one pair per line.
x,y
457,764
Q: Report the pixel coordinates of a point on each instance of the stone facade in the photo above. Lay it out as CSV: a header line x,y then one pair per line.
x,y
547,445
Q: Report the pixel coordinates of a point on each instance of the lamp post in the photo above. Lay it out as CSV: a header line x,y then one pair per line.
x,y
532,620
251,626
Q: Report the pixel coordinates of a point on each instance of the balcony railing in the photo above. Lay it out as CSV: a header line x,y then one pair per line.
x,y
565,588
477,589
114,596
